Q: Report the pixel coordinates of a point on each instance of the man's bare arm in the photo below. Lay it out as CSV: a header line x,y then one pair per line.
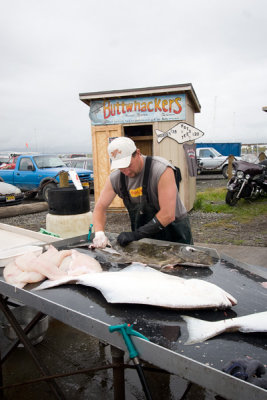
x,y
105,199
167,197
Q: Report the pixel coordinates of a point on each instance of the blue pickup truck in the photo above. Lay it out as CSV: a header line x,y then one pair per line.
x,y
37,174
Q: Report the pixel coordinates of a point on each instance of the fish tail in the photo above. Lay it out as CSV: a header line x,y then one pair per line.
x,y
160,135
200,330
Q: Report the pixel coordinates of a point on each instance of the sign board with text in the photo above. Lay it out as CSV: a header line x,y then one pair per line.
x,y
141,109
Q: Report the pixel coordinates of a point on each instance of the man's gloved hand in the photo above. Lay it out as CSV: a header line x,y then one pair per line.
x,y
125,238
100,240
148,230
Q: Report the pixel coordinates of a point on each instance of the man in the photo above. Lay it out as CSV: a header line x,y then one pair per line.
x,y
148,188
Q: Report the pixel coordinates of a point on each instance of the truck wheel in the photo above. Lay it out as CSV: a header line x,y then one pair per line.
x,y
231,198
46,189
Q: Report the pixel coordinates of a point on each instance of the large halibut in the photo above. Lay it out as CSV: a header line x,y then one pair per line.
x,y
139,284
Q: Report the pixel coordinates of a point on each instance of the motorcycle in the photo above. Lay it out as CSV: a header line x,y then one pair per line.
x,y
249,181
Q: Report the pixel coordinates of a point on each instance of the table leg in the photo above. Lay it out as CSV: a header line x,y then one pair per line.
x,y
118,373
29,347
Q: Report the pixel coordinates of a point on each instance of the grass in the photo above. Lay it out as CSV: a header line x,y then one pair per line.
x,y
213,200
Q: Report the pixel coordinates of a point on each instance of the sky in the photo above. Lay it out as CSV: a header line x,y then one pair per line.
x,y
52,50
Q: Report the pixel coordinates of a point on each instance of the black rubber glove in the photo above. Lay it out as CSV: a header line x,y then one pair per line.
x,y
246,369
149,229
261,382
125,238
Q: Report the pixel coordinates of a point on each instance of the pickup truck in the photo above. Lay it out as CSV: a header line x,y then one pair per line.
x,y
10,163
37,174
209,159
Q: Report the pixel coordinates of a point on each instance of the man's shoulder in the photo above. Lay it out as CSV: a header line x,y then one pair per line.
x,y
116,172
114,175
161,161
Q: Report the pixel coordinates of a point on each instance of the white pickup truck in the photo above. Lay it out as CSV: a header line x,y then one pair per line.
x,y
209,159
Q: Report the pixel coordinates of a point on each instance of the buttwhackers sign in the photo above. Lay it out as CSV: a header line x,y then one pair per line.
x,y
141,109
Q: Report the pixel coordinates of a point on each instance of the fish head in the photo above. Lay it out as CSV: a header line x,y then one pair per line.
x,y
194,255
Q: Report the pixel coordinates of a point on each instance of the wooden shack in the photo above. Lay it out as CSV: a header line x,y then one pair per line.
x,y
151,117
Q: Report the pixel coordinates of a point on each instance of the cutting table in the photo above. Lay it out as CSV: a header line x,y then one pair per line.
x,y
86,309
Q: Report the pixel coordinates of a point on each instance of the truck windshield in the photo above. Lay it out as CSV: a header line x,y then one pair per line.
x,y
48,162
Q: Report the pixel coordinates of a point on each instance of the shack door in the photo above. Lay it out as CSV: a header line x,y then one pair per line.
x,y
101,162
142,135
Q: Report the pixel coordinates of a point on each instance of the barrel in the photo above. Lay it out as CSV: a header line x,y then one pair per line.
x,y
69,211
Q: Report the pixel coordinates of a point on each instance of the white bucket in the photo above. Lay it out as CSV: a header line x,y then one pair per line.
x,y
67,226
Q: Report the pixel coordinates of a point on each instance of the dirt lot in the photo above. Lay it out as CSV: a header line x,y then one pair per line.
x,y
206,228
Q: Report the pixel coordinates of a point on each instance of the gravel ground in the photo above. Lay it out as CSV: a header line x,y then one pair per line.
x,y
206,227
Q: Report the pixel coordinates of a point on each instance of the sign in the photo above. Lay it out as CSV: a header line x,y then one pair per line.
x,y
181,132
75,179
139,109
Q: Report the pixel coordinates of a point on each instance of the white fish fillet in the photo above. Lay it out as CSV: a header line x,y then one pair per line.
x,y
53,264
200,330
139,284
83,264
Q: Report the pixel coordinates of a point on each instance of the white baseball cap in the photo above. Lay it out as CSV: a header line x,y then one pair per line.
x,y
120,151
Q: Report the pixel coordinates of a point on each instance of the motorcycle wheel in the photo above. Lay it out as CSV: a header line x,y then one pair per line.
x,y
231,198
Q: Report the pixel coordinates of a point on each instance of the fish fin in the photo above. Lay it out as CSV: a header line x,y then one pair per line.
x,y
193,264
49,283
200,330
137,266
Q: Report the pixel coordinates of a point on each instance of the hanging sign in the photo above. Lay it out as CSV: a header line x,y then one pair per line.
x,y
181,132
138,109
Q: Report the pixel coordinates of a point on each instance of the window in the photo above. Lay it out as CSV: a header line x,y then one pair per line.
x,y
24,164
205,153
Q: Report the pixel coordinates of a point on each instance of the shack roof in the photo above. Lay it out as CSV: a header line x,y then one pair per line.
x,y
148,91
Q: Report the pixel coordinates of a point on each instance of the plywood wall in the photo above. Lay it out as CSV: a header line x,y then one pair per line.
x,y
174,152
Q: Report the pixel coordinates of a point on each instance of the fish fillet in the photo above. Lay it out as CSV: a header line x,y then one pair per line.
x,y
45,264
52,264
83,264
139,284
15,276
200,330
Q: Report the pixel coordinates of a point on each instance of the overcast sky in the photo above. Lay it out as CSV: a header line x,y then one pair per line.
x,y
53,50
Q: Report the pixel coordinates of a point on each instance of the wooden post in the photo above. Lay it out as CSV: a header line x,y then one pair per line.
x,y
230,166
262,156
63,179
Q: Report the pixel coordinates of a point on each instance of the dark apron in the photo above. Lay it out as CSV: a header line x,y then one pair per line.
x,y
140,214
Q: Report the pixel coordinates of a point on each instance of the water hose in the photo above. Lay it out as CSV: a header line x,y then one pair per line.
x,y
126,331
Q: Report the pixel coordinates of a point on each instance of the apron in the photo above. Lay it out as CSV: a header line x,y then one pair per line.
x,y
141,213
